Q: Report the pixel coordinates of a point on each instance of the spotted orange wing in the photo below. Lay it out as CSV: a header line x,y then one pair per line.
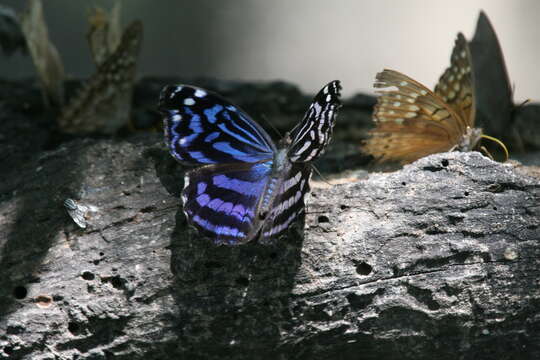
x,y
411,121
455,86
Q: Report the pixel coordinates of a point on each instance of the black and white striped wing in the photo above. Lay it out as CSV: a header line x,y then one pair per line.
x,y
288,203
311,136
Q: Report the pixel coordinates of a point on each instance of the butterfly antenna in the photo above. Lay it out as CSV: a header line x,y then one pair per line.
x,y
271,126
523,103
320,175
501,144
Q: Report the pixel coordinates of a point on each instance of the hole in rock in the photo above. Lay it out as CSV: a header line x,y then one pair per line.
x,y
20,292
87,275
444,162
117,282
73,327
323,219
148,209
242,281
363,268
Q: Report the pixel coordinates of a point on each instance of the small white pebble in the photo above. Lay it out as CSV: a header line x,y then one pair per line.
x,y
510,254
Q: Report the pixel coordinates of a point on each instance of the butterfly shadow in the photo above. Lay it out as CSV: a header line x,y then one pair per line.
x,y
239,294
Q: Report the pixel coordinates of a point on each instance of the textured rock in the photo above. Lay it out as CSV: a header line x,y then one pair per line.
x,y
438,260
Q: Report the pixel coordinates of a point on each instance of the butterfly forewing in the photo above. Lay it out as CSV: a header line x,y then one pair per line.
x,y
203,128
411,121
494,92
311,136
455,85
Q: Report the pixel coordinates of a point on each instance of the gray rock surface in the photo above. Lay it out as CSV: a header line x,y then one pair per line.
x,y
439,260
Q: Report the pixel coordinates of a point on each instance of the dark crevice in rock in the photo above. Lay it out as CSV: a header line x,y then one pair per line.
x,y
424,296
362,301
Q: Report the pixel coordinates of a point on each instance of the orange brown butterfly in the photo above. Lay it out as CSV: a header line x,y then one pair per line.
x,y
413,121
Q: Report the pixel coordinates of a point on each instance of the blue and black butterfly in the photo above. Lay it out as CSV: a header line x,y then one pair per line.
x,y
245,186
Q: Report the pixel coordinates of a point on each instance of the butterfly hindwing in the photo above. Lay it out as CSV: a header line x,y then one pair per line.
x,y
203,128
311,136
222,201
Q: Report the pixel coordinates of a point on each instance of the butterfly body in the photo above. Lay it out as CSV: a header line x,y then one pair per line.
x,y
469,141
245,186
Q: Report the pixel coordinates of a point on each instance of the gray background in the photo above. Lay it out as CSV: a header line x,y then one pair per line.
x,y
308,42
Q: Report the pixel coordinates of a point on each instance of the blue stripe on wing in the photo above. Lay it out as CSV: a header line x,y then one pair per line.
x,y
203,128
221,200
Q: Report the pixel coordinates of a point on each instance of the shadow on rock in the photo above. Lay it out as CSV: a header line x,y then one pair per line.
x,y
232,299
39,189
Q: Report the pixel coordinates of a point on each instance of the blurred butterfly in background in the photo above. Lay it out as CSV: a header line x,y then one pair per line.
x,y
494,95
103,103
413,121
45,56
245,186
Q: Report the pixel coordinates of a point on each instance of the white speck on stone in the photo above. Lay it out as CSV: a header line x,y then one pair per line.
x,y
510,254
189,101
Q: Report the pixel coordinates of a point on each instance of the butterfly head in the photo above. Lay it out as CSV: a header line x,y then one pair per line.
x,y
286,141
